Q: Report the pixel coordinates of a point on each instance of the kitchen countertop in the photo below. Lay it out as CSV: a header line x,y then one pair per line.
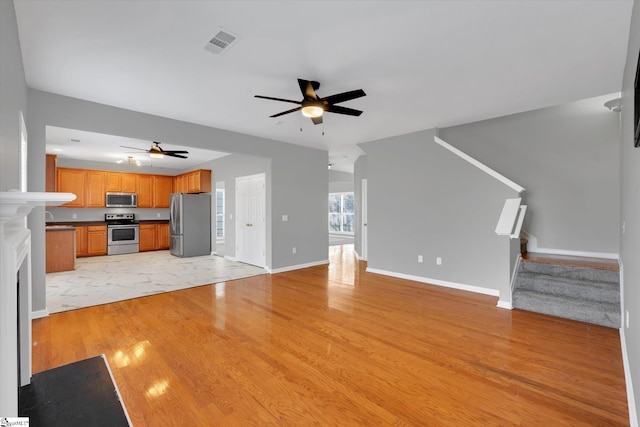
x,y
90,223
58,227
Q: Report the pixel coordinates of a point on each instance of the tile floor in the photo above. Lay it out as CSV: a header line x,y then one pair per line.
x,y
105,279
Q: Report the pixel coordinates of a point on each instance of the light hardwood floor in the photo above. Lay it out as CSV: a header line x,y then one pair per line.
x,y
334,345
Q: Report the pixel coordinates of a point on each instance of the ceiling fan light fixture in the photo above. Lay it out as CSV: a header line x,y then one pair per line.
x,y
156,155
313,111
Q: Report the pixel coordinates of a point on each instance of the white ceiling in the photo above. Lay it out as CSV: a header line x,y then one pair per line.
x,y
423,64
97,147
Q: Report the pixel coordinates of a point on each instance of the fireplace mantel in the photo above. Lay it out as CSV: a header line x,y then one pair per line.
x,y
15,268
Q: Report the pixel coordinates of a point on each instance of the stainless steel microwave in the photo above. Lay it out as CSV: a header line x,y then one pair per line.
x,y
122,200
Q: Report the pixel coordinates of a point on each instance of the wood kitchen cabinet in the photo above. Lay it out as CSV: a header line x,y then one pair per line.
x,y
154,237
181,183
81,241
147,237
91,240
145,191
72,181
163,238
122,182
198,181
51,164
95,184
162,188
96,240
60,249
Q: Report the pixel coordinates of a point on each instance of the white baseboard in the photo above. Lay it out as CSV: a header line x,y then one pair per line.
x,y
588,254
39,314
297,267
443,283
230,258
631,401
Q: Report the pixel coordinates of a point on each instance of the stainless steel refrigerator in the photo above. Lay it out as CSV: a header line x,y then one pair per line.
x,y
190,224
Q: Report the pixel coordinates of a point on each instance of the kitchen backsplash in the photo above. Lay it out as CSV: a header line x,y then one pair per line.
x,y
97,214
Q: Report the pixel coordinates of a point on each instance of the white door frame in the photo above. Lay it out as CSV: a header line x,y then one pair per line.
x,y
364,240
259,256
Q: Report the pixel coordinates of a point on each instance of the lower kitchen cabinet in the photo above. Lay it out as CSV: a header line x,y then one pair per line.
x,y
154,237
91,240
163,238
147,237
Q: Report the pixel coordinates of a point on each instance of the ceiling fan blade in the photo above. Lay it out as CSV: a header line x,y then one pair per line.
x,y
175,152
133,148
343,110
278,99
344,96
172,154
306,87
287,112
316,120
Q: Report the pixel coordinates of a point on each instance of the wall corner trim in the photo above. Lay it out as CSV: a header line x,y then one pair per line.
x,y
486,169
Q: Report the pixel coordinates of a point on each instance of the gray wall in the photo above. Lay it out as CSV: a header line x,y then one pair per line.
x,y
424,200
13,98
340,182
567,158
630,240
226,170
299,178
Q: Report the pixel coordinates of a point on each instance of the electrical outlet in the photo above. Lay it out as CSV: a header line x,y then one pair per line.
x,y
420,259
74,216
438,260
285,218
157,214
294,249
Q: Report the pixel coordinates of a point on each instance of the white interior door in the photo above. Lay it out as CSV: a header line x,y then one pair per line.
x,y
251,220
365,237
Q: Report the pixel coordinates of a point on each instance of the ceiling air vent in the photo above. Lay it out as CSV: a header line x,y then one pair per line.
x,y
221,42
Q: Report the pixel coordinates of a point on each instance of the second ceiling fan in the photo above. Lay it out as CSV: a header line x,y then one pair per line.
x,y
313,106
157,152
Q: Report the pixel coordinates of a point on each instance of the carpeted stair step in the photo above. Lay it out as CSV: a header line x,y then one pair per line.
x,y
569,287
599,313
573,272
579,293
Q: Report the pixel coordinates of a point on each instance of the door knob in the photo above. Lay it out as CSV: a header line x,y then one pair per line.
x,y
249,225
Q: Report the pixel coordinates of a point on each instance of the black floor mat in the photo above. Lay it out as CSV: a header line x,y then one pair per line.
x,y
79,394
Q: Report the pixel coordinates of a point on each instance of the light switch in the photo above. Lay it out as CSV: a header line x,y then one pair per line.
x,y
285,218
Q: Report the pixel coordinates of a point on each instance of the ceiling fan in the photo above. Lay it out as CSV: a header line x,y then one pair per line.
x,y
156,152
313,106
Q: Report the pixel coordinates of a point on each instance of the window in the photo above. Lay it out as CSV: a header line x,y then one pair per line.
x,y
219,213
341,213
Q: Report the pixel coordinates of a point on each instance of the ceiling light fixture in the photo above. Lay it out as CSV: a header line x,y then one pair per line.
x,y
130,160
312,110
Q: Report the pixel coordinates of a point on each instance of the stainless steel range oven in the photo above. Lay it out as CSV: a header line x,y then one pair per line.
x,y
122,234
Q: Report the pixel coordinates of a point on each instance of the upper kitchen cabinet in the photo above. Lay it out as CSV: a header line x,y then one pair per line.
x,y
163,186
145,191
198,181
96,184
72,181
121,182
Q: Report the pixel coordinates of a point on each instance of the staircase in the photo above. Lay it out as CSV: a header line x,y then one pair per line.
x,y
580,293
